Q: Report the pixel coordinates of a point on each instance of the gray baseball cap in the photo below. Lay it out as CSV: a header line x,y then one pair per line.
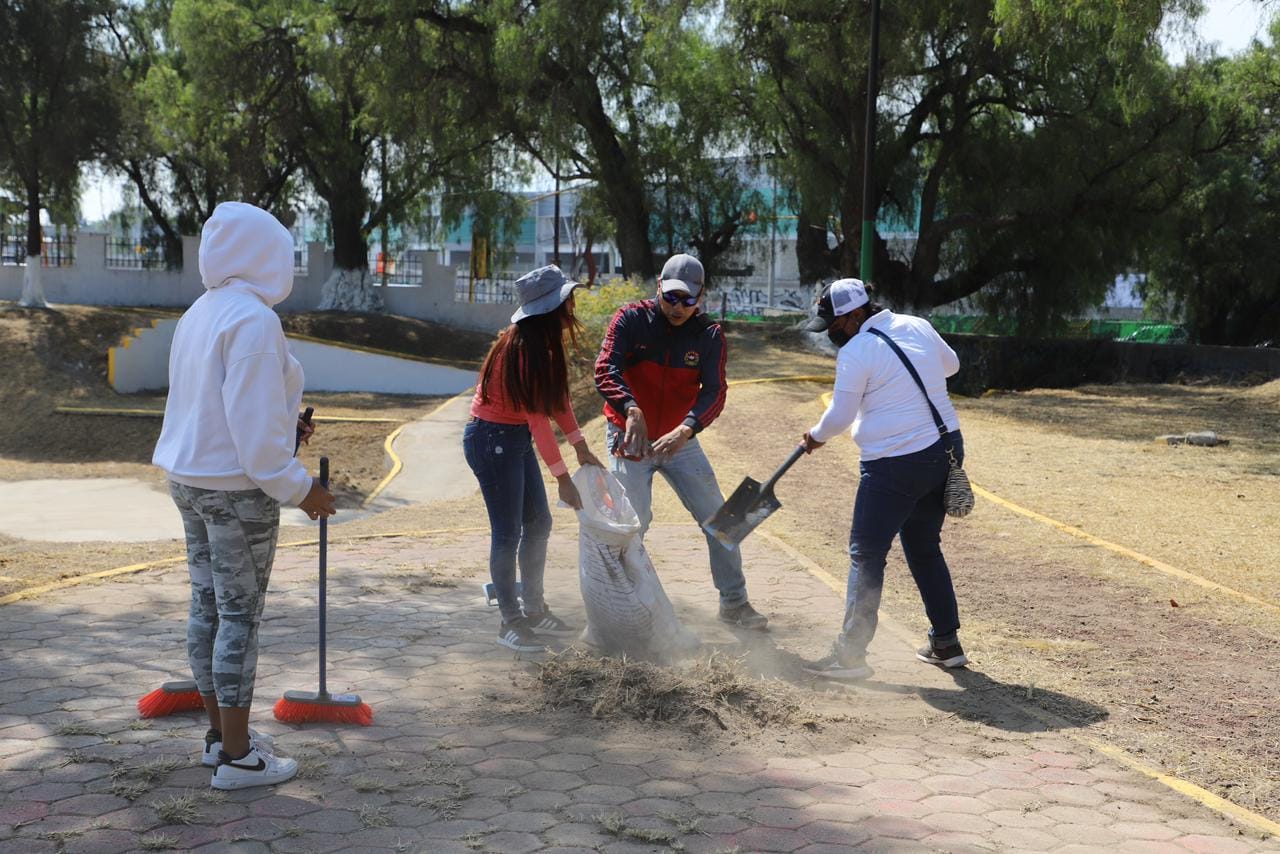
x,y
541,291
682,273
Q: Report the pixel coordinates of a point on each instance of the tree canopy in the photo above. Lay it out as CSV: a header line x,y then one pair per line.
x,y
1032,150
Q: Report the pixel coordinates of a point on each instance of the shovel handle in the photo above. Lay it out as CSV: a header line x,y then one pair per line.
x,y
782,469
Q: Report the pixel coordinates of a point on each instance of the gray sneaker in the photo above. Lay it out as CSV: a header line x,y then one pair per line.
x,y
835,666
744,617
519,637
949,656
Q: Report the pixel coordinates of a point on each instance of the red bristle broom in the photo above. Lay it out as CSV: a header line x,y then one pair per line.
x,y
300,707
182,695
170,698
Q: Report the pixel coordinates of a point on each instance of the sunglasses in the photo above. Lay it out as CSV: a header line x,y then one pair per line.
x,y
672,299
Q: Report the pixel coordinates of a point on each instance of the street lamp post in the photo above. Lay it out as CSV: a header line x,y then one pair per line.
x,y
773,222
869,147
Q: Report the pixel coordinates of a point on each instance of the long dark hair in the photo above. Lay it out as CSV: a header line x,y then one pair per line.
x,y
535,376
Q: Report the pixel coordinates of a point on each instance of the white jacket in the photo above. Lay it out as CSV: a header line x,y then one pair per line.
x,y
234,389
875,394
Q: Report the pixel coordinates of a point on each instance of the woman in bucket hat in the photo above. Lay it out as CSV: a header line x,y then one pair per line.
x,y
524,385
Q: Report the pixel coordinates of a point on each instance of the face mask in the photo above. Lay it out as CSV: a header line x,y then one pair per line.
x,y
838,337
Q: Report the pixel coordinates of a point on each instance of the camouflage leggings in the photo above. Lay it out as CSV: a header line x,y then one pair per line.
x,y
231,542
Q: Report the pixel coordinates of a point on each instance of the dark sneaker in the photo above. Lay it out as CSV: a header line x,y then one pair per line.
x,y
834,666
520,637
548,623
948,656
743,616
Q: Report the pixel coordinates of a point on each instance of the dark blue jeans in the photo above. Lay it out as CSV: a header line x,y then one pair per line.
x,y
505,464
900,497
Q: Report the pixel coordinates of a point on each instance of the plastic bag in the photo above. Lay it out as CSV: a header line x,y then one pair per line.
x,y
627,609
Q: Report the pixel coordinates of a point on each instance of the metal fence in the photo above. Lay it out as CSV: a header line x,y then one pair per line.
x,y
124,253
498,288
401,270
56,251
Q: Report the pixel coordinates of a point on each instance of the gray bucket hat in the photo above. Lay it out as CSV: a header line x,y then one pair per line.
x,y
542,291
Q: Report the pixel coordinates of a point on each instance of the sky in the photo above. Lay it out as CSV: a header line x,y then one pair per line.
x,y
1230,25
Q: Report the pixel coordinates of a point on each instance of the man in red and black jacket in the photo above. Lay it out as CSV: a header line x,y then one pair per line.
x,y
661,373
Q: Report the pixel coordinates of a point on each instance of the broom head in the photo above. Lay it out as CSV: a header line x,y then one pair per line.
x,y
303,707
171,697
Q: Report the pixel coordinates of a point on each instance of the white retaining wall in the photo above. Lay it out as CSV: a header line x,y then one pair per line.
x,y
91,282
141,363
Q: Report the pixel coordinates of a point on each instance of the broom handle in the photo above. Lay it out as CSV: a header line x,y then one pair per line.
x,y
324,567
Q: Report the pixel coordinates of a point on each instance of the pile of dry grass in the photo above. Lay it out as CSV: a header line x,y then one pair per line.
x,y
710,690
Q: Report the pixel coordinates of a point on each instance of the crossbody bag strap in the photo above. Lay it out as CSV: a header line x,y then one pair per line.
x,y
911,369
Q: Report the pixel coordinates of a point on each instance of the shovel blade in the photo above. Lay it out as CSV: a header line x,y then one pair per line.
x,y
746,508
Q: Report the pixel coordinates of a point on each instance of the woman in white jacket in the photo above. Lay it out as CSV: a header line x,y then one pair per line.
x,y
227,446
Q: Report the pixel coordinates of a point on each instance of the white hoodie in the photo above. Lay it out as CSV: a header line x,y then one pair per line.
x,y
234,389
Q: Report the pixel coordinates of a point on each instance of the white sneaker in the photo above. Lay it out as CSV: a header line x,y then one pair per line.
x,y
209,758
256,768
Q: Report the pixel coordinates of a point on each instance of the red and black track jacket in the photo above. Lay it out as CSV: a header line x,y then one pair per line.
x,y
675,374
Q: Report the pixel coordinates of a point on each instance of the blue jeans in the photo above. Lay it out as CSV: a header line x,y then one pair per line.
x,y
902,497
694,483
504,462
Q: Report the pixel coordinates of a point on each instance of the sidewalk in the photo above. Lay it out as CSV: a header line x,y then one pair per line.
x,y
460,758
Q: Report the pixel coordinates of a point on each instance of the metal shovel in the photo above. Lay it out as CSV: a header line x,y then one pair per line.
x,y
750,504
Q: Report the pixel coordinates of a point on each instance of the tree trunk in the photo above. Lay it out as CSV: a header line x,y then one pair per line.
x,y
32,286
813,257
349,287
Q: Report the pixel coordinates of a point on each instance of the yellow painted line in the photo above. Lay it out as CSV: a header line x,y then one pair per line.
x,y
170,561
1145,560
1183,787
111,366
157,413
396,463
1158,565
93,576
826,378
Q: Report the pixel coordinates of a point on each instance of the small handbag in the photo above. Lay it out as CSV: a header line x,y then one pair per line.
x,y
957,493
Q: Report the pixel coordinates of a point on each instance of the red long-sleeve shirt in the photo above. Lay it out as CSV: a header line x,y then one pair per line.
x,y
502,410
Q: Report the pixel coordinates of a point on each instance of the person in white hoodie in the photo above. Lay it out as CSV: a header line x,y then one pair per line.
x,y
227,446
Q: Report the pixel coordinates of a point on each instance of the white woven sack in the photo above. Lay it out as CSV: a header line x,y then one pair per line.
x,y
628,612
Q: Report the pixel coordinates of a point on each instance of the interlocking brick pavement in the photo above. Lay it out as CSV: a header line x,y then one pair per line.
x,y
462,759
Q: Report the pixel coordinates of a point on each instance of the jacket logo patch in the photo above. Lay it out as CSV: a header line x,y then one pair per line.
x,y
691,359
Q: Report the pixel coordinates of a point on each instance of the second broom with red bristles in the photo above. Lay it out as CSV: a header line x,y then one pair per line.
x,y
299,707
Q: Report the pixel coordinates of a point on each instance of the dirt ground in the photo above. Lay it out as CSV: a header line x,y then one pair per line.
x,y
1055,621
1181,675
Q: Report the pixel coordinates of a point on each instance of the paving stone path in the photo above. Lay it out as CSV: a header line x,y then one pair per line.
x,y
460,759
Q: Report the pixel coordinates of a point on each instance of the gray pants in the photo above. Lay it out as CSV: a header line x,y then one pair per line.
x,y
231,542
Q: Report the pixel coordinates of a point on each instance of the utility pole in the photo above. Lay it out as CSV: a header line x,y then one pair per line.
x,y
555,231
869,148
382,198
771,160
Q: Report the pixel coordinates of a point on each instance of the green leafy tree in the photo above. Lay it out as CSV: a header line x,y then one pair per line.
x,y
634,98
1215,258
56,112
370,142
1029,143
184,145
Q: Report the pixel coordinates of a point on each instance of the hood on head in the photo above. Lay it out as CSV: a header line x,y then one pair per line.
x,y
243,243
